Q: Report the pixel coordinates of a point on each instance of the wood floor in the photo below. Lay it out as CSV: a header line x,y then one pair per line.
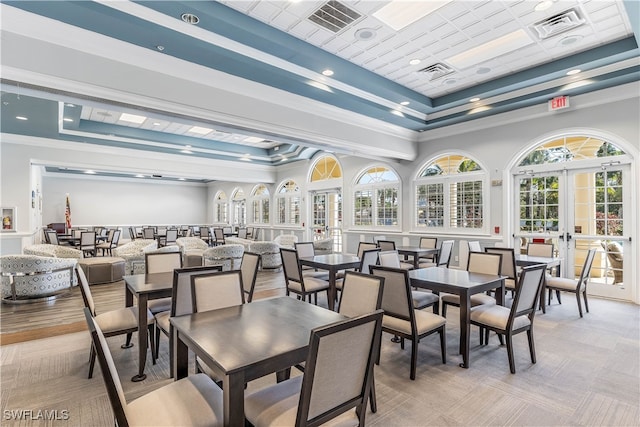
x,y
588,370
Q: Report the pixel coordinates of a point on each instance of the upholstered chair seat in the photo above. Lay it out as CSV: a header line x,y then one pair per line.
x,y
425,322
497,316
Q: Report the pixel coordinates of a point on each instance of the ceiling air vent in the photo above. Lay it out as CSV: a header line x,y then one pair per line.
x,y
334,16
436,71
559,23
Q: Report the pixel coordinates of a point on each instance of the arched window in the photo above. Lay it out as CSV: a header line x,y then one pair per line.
x,y
326,168
376,198
260,204
288,203
451,195
238,201
220,207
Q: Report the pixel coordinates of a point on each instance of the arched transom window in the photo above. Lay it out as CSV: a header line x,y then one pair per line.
x,y
288,203
326,168
260,204
376,198
220,209
451,195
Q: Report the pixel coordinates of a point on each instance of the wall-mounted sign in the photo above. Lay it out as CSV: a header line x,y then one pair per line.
x,y
558,103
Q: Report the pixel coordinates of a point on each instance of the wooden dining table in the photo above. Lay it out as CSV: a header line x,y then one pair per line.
x,y
523,260
416,252
145,287
461,283
246,342
331,263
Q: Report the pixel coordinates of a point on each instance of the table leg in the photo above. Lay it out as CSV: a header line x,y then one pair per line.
x,y
180,360
142,338
465,328
332,289
128,302
233,400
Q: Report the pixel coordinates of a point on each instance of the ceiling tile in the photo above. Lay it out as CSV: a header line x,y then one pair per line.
x,y
265,11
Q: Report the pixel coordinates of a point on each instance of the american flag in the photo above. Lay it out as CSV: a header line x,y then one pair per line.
x,y
67,213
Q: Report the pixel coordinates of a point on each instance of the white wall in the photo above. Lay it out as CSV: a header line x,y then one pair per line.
x,y
123,202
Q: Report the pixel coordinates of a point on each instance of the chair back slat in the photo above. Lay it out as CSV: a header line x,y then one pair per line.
x,y
86,292
508,267
485,263
181,302
162,262
110,373
368,257
389,258
396,297
216,290
116,238
528,290
249,270
53,237
444,257
338,369
361,294
387,245
540,249
290,265
304,249
364,246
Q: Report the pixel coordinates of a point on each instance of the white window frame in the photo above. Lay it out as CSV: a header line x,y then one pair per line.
x,y
375,188
221,208
259,201
289,198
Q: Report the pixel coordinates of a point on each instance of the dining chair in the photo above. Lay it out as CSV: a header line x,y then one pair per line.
x,y
428,243
508,266
519,318
400,316
148,233
297,282
307,250
112,242
390,258
194,401
540,249
363,246
218,237
114,322
478,262
216,290
474,246
161,262
170,238
336,381
227,230
242,233
132,234
444,256
205,234
421,298
249,269
88,243
53,237
578,287
181,302
389,245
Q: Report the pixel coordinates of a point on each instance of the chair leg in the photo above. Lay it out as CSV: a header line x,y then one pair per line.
x,y
92,360
128,344
152,343
586,303
512,363
443,346
436,308
414,358
402,343
558,296
372,395
579,303
532,348
499,338
157,334
444,309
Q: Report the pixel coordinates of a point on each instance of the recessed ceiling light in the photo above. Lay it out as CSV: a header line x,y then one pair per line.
x,y
569,40
483,70
414,62
450,81
365,34
397,113
139,175
399,14
573,72
492,49
405,103
190,18
181,179
21,118
474,100
252,139
90,172
132,118
67,119
200,130
543,5
327,72
479,109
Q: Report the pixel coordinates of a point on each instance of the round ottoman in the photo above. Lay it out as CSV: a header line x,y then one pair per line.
x,y
102,269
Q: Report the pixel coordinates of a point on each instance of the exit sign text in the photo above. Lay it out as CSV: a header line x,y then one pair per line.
x,y
559,103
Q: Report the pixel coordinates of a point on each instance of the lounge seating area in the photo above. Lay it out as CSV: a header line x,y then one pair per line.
x,y
29,278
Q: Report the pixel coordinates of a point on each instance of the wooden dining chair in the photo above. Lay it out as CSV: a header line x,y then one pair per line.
x,y
88,243
363,246
161,262
53,237
444,256
249,270
148,233
336,381
216,290
194,401
578,287
402,319
388,246
478,262
242,233
519,318
541,249
507,267
428,243
123,321
297,282
307,250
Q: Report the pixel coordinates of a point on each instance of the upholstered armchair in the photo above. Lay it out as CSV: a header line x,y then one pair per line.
x,y
286,240
323,247
133,254
269,254
192,249
614,255
229,256
55,251
238,241
35,276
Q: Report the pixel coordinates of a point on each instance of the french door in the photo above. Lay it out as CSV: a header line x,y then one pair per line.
x,y
581,209
326,216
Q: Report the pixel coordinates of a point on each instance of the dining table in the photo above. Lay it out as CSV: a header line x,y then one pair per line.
x,y
523,260
416,252
331,263
145,287
464,284
245,342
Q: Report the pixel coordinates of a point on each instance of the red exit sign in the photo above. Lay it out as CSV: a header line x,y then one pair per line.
x,y
559,103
